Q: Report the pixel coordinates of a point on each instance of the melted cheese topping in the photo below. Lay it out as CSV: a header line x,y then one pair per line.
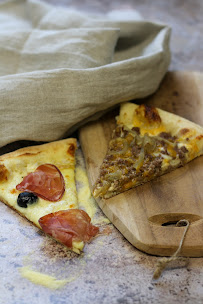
x,y
85,199
188,133
129,118
20,165
145,153
148,128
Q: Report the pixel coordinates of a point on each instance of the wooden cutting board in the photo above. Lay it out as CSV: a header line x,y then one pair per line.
x,y
145,215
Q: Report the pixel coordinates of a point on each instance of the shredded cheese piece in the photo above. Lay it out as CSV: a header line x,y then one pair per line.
x,y
42,279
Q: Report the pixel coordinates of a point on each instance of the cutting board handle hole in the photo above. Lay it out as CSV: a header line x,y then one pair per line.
x,y
171,219
173,223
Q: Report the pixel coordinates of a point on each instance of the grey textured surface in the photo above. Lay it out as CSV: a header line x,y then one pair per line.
x,y
110,270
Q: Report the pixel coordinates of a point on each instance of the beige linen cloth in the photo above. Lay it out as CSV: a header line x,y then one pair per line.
x,y
60,67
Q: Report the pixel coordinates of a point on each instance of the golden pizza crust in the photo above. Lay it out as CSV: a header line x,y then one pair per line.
x,y
34,150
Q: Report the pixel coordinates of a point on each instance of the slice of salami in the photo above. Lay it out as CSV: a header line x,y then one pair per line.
x,y
67,226
46,182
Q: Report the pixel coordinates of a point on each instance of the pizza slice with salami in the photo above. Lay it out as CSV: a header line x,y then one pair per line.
x,y
39,183
147,142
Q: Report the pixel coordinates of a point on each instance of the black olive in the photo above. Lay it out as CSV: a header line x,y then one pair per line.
x,y
26,198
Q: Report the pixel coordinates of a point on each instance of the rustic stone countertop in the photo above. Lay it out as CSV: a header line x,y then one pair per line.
x,y
110,270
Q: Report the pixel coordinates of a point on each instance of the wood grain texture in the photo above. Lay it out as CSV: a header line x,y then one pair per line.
x,y
140,212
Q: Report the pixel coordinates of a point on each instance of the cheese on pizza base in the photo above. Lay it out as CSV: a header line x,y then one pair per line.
x,y
85,199
189,133
26,160
16,165
147,142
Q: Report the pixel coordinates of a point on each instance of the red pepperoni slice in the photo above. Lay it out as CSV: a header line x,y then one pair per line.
x,y
67,226
47,182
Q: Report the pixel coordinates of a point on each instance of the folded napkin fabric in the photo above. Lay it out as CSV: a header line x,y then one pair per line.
x,y
60,68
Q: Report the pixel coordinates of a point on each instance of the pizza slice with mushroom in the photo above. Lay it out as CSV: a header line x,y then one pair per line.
x,y
39,183
147,142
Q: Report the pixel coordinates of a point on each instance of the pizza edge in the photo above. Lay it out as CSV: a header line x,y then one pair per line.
x,y
33,150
